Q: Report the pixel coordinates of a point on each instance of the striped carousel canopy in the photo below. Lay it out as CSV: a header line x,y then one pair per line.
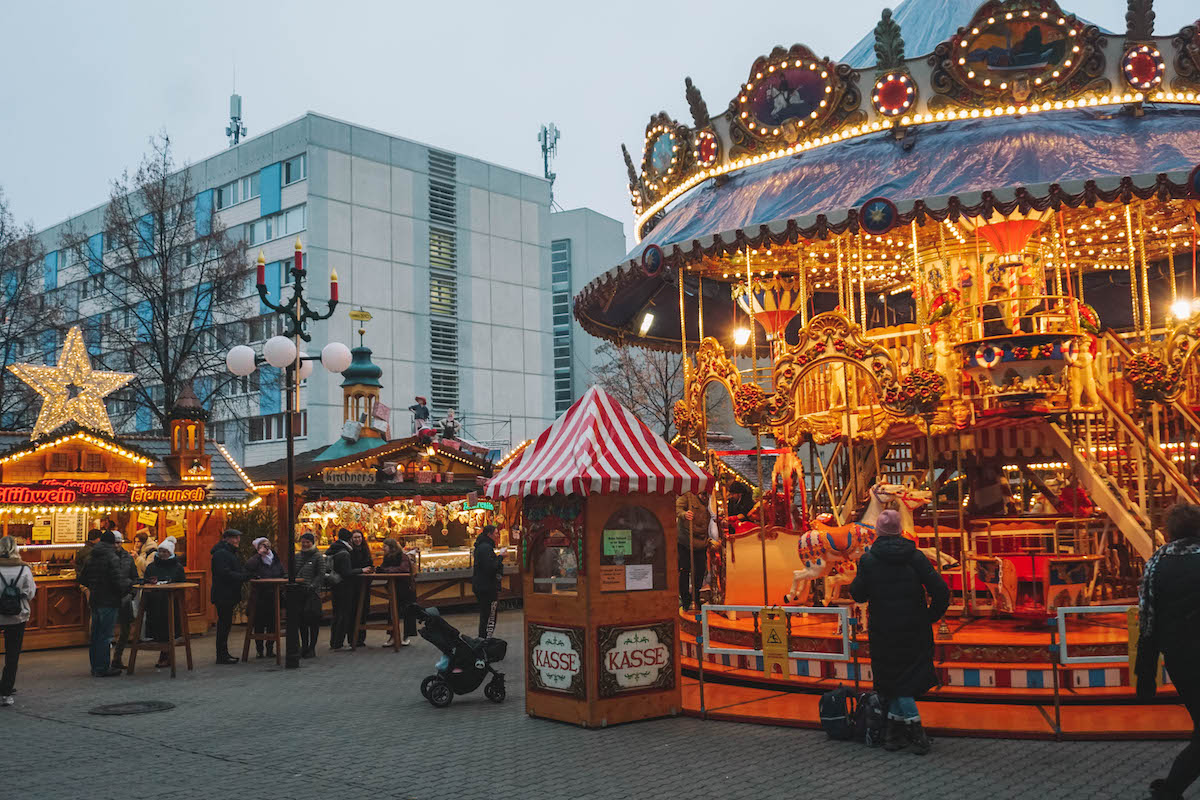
x,y
598,447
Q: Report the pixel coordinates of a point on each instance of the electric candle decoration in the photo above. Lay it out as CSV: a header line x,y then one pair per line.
x,y
333,292
262,269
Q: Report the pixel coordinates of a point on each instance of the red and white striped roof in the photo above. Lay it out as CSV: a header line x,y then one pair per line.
x,y
599,447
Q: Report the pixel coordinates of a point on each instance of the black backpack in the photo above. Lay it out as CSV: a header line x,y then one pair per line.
x,y
836,709
10,596
869,719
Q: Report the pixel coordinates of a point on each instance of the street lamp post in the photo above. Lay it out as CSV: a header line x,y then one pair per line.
x,y
283,352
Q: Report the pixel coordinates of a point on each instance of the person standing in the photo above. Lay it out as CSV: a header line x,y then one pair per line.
x,y
125,613
17,588
263,564
487,576
1169,606
342,575
164,567
904,597
396,561
81,557
107,584
692,518
360,559
146,549
228,575
420,412
310,571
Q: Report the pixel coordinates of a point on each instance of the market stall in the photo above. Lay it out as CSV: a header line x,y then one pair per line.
x,y
599,562
73,474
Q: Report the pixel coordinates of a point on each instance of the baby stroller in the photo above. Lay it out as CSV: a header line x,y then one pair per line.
x,y
465,661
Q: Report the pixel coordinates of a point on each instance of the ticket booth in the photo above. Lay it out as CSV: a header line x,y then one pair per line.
x,y
599,567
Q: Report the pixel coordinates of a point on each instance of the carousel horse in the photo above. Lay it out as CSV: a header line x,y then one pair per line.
x,y
824,546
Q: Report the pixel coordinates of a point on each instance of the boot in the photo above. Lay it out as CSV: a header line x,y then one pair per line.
x,y
258,649
895,736
1160,791
270,649
918,739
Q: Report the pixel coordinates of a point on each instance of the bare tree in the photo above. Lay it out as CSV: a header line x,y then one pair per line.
x,y
23,318
172,276
647,382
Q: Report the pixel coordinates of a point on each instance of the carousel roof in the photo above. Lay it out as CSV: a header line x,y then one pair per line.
x,y
599,447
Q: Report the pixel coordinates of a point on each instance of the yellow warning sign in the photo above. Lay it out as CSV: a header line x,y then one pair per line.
x,y
773,624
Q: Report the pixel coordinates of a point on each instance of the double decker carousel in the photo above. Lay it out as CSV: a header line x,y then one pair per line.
x,y
960,283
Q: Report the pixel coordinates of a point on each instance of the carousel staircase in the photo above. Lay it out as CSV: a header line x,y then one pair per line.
x,y
1128,475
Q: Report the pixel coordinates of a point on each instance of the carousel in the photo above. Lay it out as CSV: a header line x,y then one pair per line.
x,y
960,283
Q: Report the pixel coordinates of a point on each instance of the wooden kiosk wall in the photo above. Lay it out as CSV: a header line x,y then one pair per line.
x,y
591,613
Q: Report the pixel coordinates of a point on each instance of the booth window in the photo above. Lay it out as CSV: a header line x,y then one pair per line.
x,y
556,563
633,555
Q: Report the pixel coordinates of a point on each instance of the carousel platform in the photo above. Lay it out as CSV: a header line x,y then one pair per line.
x,y
998,679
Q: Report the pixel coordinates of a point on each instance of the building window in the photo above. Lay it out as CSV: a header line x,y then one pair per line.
x,y
285,223
295,169
273,427
443,282
560,302
238,191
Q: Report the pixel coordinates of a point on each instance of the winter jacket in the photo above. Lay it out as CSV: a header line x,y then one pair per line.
x,y
488,572
257,568
360,556
165,570
692,534
894,579
228,575
81,558
145,556
1176,619
340,559
16,571
128,567
400,563
106,576
310,569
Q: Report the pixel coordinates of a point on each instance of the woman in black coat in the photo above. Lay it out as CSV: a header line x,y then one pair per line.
x,y
164,567
395,560
360,558
265,563
904,597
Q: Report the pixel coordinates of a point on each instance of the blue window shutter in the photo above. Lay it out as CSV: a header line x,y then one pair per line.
x,y
270,186
49,345
271,384
142,419
51,262
9,286
95,254
92,335
204,212
145,320
145,236
203,305
272,271
203,388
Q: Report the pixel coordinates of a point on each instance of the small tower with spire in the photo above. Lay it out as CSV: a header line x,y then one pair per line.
x,y
186,429
360,381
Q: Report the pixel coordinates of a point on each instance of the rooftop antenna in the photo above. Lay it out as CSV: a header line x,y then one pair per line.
x,y
235,130
548,138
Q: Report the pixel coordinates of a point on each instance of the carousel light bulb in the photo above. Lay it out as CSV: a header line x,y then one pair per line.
x,y
647,321
741,336
1181,308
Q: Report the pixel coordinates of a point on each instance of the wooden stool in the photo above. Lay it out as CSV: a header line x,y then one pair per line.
x,y
175,604
394,623
272,585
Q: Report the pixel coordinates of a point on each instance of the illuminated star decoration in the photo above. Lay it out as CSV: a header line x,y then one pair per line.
x,y
71,391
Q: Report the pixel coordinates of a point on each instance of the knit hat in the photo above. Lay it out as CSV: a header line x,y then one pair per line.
x,y
168,544
308,536
108,537
888,524
258,541
344,535
231,532
118,536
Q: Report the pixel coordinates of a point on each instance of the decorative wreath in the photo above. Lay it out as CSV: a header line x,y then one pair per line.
x,y
918,392
749,403
1150,377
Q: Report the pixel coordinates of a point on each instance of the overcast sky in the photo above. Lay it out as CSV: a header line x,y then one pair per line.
x,y
85,84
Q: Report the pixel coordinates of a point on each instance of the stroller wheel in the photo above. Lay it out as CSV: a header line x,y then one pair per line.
x,y
495,691
425,685
440,693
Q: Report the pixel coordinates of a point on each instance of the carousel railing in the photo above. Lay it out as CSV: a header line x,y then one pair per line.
x,y
1056,315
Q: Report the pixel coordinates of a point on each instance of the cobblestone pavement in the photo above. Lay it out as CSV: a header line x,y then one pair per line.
x,y
354,725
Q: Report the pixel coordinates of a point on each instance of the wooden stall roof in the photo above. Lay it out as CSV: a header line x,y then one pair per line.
x,y
307,466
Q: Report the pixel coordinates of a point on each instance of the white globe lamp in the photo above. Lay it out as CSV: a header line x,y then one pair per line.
x,y
306,367
279,351
240,360
335,356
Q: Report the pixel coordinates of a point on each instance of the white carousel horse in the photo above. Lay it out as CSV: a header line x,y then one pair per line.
x,y
825,545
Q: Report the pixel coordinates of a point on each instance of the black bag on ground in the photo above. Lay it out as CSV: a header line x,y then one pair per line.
x,y
836,708
869,719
